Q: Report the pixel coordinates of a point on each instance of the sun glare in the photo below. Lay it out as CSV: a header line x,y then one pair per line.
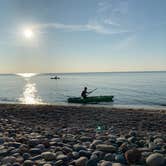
x,y
28,33
26,75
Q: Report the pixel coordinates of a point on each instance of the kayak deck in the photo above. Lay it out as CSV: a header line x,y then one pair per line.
x,y
92,99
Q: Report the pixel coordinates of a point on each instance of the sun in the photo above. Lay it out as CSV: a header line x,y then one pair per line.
x,y
28,33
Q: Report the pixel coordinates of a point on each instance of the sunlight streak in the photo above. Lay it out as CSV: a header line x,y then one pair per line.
x,y
29,95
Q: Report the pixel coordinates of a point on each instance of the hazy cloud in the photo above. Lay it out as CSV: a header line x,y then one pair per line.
x,y
111,11
94,27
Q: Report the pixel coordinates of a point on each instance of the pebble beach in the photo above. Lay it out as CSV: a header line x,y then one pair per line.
x,y
49,135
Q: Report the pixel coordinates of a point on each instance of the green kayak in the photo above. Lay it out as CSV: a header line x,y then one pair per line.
x,y
92,99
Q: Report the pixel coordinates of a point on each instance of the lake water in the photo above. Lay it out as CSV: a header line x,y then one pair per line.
x,y
129,88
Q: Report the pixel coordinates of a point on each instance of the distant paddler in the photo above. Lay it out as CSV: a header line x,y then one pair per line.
x,y
56,78
85,92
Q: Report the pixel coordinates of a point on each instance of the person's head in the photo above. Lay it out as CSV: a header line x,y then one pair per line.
x,y
85,88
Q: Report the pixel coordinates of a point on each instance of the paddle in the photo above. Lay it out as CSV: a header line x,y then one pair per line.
x,y
92,91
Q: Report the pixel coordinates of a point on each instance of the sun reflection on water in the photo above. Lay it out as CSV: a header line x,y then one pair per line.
x,y
26,75
29,95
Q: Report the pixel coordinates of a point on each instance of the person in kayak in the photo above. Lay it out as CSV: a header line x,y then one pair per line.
x,y
84,93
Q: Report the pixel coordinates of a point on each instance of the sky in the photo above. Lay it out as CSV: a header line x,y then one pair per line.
x,y
82,35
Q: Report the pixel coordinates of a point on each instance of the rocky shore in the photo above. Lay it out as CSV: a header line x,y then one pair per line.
x,y
47,135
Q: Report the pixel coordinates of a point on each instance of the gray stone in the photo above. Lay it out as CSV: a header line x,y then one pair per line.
x,y
16,164
48,156
85,138
106,148
9,159
47,164
28,163
82,161
1,141
99,154
35,151
26,156
14,144
93,160
117,164
62,157
79,147
106,163
120,158
84,153
155,159
94,143
109,157
158,141
3,152
59,163
75,155
38,157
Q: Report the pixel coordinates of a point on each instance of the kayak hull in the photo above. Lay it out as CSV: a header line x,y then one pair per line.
x,y
92,99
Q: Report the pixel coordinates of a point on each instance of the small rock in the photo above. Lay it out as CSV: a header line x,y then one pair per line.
x,y
16,164
117,164
62,157
26,156
158,141
9,159
79,147
47,164
133,155
106,163
35,151
109,157
84,153
99,154
82,161
67,149
92,161
38,157
120,159
33,142
48,156
59,163
14,144
85,138
155,159
28,163
1,141
133,133
106,148
75,155
94,143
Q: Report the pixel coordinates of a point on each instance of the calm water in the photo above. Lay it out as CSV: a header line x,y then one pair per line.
x,y
129,89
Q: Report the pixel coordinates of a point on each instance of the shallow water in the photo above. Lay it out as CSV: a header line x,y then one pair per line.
x,y
130,88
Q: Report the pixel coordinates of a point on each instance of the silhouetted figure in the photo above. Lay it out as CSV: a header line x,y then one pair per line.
x,y
84,93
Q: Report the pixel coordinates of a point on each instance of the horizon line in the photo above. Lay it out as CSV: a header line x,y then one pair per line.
x,y
130,71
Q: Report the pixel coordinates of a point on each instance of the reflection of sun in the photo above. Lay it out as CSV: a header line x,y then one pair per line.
x,y
26,74
29,95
